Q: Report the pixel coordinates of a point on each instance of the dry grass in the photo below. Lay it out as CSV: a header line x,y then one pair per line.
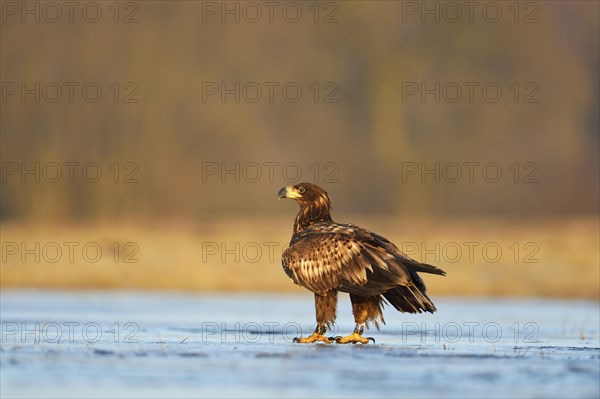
x,y
174,256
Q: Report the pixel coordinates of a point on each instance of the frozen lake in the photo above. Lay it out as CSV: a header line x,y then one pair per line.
x,y
123,344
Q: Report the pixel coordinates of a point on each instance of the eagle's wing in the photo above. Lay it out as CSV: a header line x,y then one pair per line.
x,y
328,257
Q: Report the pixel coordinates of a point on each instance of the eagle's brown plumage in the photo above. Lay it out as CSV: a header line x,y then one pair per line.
x,y
326,257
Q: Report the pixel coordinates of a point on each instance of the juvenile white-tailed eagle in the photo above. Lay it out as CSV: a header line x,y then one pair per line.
x,y
326,257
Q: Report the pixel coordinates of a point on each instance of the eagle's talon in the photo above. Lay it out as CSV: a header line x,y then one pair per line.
x,y
313,338
355,338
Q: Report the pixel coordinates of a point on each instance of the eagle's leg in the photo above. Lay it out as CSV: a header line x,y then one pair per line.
x,y
325,306
364,309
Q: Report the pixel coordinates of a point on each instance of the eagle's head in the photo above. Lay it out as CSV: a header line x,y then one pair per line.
x,y
315,205
306,194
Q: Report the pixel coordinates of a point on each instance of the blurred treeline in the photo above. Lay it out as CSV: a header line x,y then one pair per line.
x,y
369,134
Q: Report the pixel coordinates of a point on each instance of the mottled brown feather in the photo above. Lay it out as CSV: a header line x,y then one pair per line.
x,y
332,256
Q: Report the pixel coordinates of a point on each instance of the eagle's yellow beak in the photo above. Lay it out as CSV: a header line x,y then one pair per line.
x,y
288,192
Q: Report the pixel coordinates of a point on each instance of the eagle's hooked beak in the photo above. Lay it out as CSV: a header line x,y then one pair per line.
x,y
288,192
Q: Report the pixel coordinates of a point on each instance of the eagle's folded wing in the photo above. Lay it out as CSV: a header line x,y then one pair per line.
x,y
343,258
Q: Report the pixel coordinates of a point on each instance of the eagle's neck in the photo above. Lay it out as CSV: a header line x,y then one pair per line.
x,y
313,212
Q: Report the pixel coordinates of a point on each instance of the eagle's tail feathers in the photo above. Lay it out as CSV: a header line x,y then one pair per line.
x,y
408,298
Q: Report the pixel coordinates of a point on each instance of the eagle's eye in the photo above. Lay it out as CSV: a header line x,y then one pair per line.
x,y
301,190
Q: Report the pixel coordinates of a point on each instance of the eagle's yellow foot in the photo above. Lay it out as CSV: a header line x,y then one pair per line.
x,y
355,338
318,335
313,338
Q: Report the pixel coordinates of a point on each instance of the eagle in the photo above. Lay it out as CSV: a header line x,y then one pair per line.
x,y
326,257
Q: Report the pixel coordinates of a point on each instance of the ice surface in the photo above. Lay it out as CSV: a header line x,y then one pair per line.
x,y
124,344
